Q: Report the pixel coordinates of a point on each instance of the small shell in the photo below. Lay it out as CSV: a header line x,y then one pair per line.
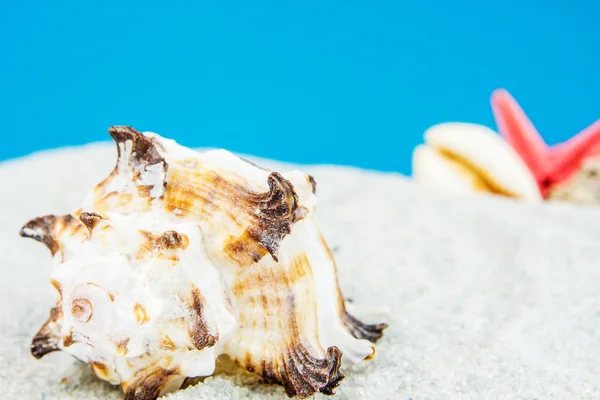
x,y
583,187
462,158
178,257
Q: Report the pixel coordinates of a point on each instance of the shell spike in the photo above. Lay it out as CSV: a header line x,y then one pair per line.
x,y
152,385
335,375
360,330
45,230
318,375
138,178
142,151
47,339
90,219
271,216
313,183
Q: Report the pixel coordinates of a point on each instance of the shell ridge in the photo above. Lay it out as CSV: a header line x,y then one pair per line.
x,y
276,213
297,362
303,375
330,310
270,217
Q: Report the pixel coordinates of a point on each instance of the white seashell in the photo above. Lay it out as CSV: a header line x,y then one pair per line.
x,y
179,256
462,158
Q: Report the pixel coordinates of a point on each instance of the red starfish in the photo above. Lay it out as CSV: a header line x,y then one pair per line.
x,y
550,165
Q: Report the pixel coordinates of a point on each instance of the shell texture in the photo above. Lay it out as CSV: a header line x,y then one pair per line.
x,y
178,257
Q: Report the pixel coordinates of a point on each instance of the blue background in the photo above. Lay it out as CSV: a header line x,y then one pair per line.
x,y
306,81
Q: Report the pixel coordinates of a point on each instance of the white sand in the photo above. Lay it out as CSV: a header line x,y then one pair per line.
x,y
490,299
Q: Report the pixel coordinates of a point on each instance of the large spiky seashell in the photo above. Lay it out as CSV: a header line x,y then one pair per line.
x,y
179,256
460,158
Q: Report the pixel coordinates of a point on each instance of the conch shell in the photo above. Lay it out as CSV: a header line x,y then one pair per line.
x,y
460,158
179,256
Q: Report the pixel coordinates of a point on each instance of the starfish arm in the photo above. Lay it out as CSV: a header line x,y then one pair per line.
x,y
567,157
519,132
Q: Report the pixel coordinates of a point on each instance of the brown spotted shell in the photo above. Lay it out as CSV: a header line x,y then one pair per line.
x,y
179,256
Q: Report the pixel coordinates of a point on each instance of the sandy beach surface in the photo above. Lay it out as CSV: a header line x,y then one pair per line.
x,y
488,298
